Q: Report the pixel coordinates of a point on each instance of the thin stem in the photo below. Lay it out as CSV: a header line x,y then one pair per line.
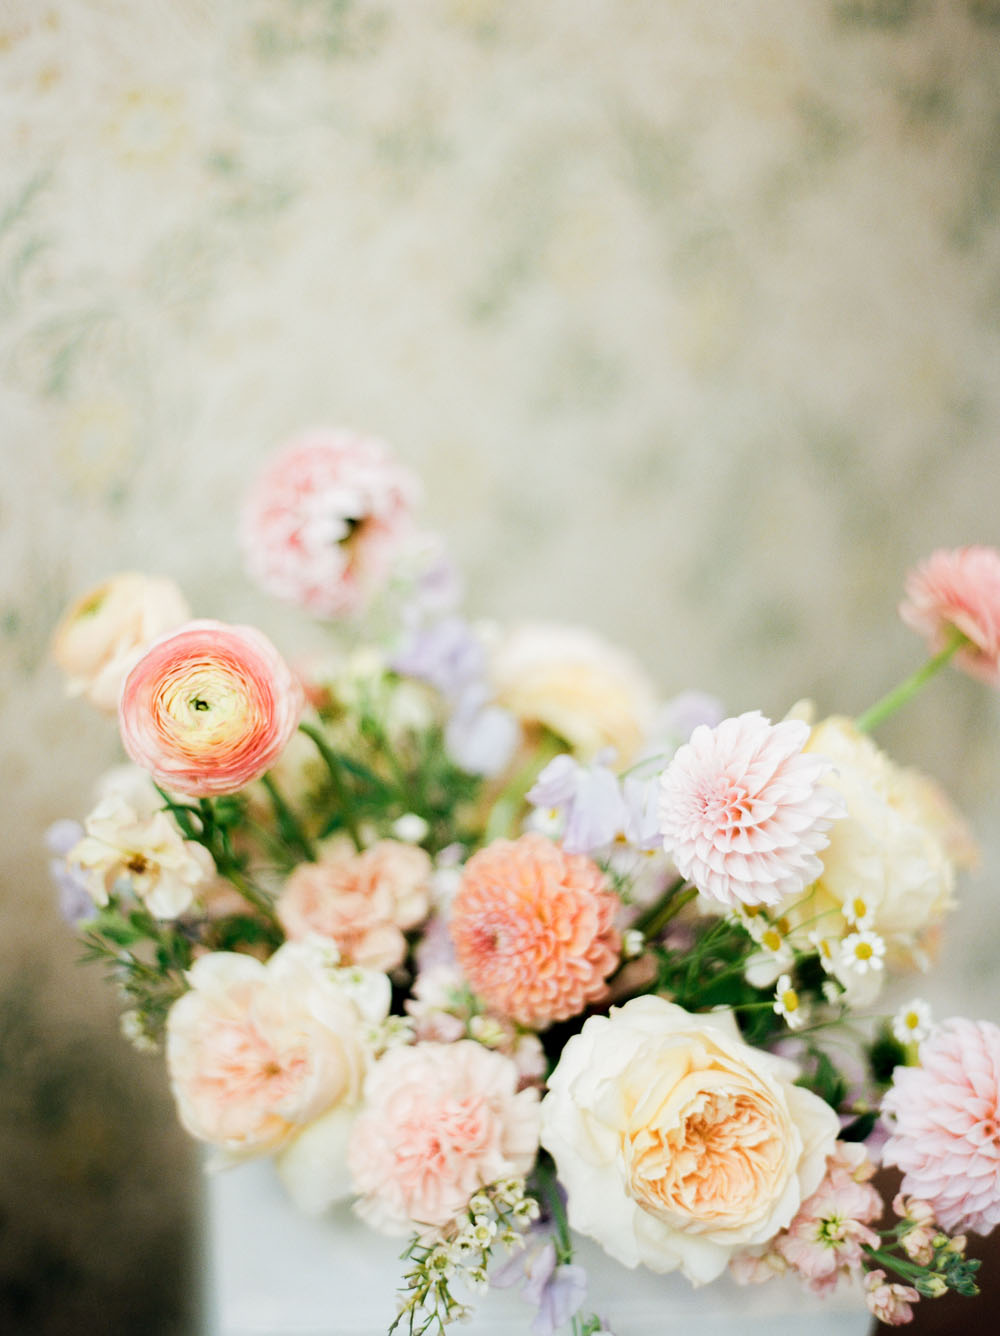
x,y
899,695
507,807
288,822
337,780
250,892
655,919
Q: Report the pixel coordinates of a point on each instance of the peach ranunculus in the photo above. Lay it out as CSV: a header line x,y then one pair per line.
x,y
440,1121
105,631
208,708
327,519
679,1144
533,928
258,1052
362,901
587,692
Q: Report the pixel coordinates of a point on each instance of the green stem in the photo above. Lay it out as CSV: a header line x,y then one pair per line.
x,y
653,920
899,695
250,892
288,823
337,780
507,807
908,1270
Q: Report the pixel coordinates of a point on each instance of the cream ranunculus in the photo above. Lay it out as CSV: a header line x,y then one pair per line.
x,y
678,1144
105,631
587,692
257,1053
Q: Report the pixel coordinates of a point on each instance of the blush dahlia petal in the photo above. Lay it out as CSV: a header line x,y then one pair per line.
x,y
945,1121
209,708
744,812
533,928
959,588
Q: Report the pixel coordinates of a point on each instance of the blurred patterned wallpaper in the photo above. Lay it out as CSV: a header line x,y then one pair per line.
x,y
688,314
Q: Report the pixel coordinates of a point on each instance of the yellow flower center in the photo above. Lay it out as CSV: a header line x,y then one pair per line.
x,y
863,950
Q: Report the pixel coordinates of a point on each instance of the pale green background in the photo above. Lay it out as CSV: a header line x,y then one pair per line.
x,y
688,312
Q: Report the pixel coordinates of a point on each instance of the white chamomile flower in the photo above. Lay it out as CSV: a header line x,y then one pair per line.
x,y
862,951
912,1023
788,1004
832,991
823,946
858,912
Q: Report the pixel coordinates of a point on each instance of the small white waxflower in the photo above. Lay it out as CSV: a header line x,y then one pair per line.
x,y
858,912
862,951
411,828
912,1023
788,1004
480,1204
483,1231
633,942
477,1280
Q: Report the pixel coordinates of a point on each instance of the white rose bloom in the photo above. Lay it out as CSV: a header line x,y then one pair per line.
x,y
678,1144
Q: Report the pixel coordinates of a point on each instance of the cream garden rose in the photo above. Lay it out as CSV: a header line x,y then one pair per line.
x,y
889,862
678,1144
258,1053
587,692
104,632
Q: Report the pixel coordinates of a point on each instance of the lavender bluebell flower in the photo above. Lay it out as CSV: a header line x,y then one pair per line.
x,y
447,654
481,737
556,1291
589,797
75,902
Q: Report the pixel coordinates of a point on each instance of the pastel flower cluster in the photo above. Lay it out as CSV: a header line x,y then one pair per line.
x,y
467,926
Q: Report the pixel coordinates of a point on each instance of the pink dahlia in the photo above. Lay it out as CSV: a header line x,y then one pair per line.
x,y
440,1121
960,589
325,521
208,708
743,811
533,928
945,1125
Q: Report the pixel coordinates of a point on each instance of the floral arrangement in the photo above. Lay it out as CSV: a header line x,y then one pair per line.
x,y
463,923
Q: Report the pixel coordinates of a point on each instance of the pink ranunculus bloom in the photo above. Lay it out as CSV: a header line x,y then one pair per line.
x,y
326,520
361,901
744,811
944,1119
959,588
533,928
208,708
440,1121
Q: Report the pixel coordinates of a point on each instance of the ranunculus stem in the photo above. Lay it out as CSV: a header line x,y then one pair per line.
x,y
340,792
288,822
899,695
250,892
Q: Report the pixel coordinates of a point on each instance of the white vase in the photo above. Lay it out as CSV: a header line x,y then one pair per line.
x,y
271,1271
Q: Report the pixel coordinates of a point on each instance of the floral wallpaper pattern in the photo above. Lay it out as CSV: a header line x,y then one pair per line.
x,y
688,314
